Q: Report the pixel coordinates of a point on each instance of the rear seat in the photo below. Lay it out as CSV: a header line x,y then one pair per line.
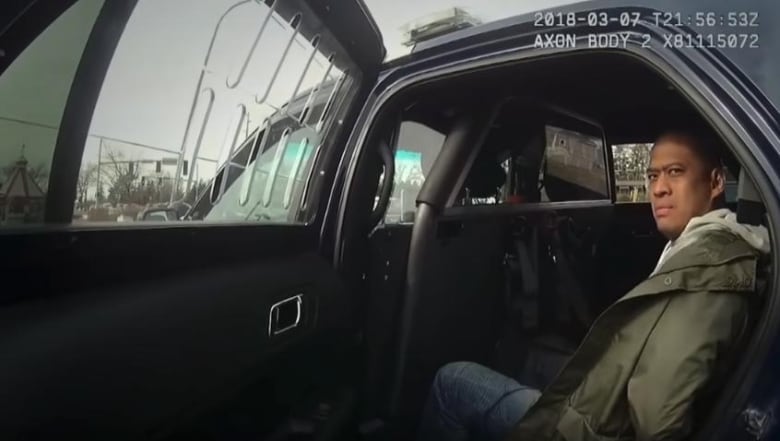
x,y
547,311
538,356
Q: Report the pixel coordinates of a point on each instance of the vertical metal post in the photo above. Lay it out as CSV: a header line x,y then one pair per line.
x,y
294,24
402,201
198,87
100,158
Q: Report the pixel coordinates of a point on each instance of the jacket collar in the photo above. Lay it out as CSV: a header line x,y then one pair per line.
x,y
694,267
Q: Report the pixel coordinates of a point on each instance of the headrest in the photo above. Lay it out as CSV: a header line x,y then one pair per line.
x,y
750,209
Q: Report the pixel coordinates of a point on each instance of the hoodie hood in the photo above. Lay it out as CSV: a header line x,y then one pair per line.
x,y
721,219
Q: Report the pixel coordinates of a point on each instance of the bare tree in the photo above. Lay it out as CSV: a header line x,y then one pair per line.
x,y
87,177
123,177
631,161
156,190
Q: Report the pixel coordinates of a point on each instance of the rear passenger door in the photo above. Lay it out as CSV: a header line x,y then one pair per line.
x,y
164,176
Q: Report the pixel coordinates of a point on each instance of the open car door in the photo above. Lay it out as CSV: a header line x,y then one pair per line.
x,y
184,324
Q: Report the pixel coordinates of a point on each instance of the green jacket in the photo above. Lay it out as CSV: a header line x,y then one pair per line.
x,y
649,356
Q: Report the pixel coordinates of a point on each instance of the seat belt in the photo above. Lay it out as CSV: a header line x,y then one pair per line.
x,y
524,303
570,297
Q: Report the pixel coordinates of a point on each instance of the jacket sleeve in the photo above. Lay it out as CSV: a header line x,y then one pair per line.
x,y
693,333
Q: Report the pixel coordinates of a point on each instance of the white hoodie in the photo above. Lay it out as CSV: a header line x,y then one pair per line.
x,y
721,219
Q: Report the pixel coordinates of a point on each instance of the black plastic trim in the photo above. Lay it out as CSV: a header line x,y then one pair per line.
x,y
422,232
21,21
387,185
354,27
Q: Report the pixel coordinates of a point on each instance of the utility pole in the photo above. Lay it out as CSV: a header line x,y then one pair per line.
x,y
100,158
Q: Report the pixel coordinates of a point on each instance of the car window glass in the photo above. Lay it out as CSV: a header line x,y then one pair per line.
x,y
574,166
218,120
33,92
416,149
631,162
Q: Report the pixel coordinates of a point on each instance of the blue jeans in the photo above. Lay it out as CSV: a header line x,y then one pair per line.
x,y
469,400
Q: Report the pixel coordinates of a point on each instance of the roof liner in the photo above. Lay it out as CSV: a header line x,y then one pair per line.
x,y
630,100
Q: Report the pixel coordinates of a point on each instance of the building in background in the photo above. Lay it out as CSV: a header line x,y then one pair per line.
x,y
21,198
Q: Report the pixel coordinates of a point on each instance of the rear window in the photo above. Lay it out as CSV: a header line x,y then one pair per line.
x,y
631,162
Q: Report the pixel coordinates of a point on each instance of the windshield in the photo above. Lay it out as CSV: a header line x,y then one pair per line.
x,y
402,21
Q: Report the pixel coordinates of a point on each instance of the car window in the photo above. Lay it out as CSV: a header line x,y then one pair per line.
x,y
33,92
214,113
563,160
416,149
249,95
631,162
574,166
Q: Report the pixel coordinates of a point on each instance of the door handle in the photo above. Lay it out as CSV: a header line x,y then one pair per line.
x,y
285,315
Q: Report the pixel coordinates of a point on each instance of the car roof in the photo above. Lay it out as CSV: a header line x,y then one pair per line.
x,y
759,64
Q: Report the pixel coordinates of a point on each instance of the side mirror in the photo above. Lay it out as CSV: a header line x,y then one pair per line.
x,y
159,215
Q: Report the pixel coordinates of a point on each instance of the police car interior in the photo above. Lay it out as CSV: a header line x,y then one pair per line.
x,y
473,210
509,253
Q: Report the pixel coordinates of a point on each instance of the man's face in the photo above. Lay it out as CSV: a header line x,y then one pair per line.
x,y
680,185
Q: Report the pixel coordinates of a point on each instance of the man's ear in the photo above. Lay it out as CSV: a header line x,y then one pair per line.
x,y
718,180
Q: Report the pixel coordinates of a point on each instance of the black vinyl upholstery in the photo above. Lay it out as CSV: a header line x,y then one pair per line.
x,y
750,209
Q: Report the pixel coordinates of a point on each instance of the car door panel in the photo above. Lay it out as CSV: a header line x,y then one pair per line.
x,y
134,354
388,252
